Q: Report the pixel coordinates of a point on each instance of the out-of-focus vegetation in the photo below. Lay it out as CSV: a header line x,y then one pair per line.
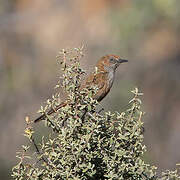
x,y
145,32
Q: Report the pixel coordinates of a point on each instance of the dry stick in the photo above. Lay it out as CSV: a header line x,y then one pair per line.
x,y
91,116
37,150
42,158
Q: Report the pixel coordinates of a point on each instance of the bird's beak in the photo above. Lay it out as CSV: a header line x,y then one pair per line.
x,y
122,61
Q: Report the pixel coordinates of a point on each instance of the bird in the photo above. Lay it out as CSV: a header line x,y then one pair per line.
x,y
102,78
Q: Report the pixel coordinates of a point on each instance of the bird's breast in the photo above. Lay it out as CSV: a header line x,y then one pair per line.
x,y
110,78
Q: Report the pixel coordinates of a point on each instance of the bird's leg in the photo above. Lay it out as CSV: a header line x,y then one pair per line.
x,y
83,115
86,112
90,113
102,109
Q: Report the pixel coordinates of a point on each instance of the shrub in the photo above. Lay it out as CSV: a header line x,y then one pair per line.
x,y
100,145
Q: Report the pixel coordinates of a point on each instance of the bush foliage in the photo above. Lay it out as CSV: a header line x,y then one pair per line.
x,y
99,145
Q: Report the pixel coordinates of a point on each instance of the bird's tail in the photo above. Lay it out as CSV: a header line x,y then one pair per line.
x,y
52,110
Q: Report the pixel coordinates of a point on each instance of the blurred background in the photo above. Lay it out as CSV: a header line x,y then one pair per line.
x,y
145,32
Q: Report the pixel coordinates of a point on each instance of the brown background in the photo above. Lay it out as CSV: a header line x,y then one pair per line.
x,y
145,32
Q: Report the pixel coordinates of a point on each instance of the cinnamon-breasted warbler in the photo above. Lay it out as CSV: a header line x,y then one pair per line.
x,y
103,79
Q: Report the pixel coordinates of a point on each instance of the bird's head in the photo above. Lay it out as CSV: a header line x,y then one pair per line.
x,y
109,62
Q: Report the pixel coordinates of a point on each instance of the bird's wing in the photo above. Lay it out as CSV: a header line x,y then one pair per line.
x,y
93,80
99,80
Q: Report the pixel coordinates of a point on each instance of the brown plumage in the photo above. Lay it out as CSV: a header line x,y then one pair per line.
x,y
103,79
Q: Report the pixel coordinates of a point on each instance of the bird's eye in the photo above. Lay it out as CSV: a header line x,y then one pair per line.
x,y
112,60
